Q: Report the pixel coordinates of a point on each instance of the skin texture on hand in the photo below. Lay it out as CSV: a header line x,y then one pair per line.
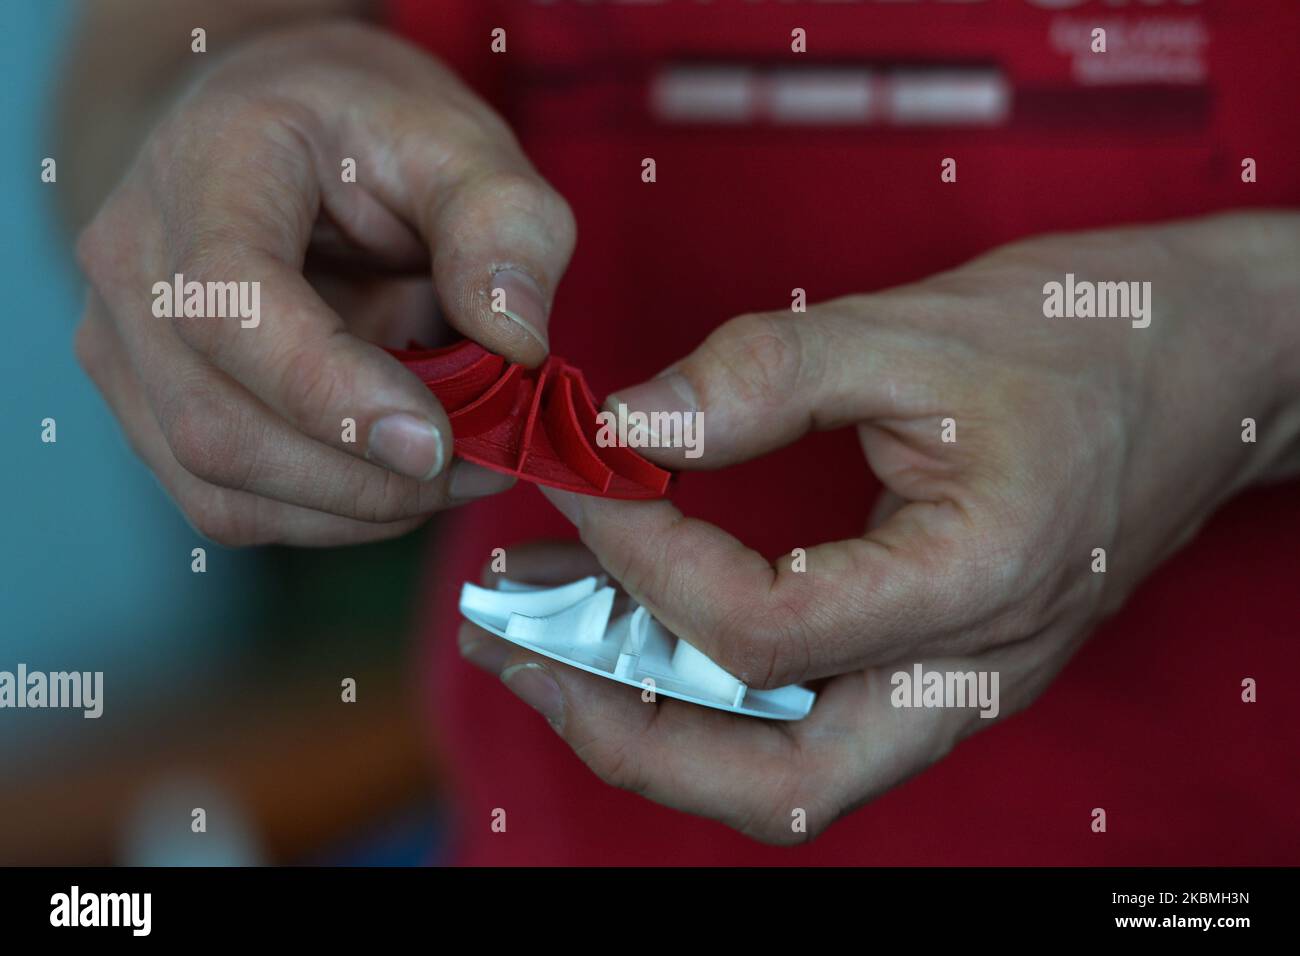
x,y
1071,435
243,181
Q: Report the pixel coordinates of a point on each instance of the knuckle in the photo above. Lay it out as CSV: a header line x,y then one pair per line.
x,y
744,654
205,437
208,253
760,357
283,132
613,765
760,648
497,194
87,346
556,213
312,380
222,215
381,496
96,252
163,152
220,520
88,248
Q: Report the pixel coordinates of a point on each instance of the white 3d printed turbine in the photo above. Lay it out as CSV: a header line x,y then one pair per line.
x,y
571,624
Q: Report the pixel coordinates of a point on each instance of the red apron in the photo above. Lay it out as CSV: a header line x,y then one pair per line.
x,y
828,179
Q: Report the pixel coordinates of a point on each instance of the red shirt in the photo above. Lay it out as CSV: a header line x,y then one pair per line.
x,y
756,196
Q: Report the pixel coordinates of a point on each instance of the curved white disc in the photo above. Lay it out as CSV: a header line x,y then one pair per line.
x,y
571,624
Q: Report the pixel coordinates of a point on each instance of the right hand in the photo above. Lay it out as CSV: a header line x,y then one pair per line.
x,y
241,181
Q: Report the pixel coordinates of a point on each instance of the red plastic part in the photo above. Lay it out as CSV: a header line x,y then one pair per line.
x,y
538,424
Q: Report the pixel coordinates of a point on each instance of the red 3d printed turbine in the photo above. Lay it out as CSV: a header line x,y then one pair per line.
x,y
538,424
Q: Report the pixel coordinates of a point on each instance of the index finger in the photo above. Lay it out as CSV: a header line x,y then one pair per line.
x,y
498,236
845,605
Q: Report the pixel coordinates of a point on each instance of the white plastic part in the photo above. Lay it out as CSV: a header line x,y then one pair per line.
x,y
572,624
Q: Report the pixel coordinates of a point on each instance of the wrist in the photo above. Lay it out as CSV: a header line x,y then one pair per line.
x,y
1247,304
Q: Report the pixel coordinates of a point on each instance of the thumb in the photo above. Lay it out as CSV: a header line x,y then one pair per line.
x,y
757,383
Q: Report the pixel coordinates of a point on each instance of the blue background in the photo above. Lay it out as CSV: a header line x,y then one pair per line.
x,y
96,562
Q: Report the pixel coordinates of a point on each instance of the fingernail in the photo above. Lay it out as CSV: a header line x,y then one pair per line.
x,y
669,392
523,303
533,684
483,650
406,444
566,502
470,480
